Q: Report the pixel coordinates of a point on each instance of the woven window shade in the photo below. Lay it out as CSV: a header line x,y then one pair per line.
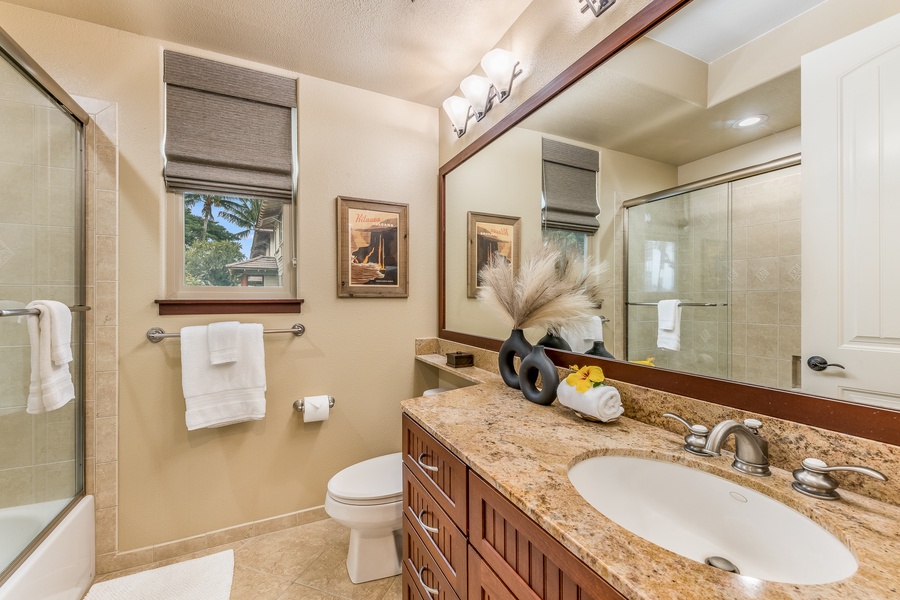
x,y
570,187
229,130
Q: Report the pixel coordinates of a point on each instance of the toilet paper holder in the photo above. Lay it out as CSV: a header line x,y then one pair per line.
x,y
298,404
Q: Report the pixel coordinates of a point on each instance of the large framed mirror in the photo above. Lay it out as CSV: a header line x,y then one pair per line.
x,y
743,169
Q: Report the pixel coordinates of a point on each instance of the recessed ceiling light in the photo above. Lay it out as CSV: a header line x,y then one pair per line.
x,y
750,121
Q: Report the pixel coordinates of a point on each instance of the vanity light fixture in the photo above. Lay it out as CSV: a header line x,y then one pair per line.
x,y
750,121
460,111
598,7
480,92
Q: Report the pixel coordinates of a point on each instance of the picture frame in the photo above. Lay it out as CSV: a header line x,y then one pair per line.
x,y
488,235
373,248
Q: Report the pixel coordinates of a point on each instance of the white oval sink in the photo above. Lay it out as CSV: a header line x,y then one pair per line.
x,y
699,516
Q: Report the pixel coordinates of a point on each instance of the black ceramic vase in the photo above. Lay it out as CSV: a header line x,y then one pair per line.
x,y
515,345
554,341
538,363
598,349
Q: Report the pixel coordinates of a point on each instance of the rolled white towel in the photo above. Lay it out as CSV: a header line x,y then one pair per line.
x,y
602,402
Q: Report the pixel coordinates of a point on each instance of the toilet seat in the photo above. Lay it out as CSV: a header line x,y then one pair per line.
x,y
375,481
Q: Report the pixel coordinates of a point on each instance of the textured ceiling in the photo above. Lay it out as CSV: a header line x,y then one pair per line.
x,y
416,50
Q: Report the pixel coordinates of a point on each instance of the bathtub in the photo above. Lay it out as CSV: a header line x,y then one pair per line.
x,y
62,566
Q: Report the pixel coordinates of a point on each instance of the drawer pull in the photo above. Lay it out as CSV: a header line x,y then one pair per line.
x,y
423,525
425,466
429,590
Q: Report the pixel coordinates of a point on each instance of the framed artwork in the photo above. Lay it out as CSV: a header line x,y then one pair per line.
x,y
373,249
491,238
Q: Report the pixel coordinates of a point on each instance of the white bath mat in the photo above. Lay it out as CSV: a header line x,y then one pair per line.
x,y
206,578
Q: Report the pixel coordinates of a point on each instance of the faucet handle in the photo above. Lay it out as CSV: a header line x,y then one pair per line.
x,y
813,478
753,424
695,440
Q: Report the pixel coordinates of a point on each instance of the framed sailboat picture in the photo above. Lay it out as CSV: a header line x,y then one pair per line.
x,y
373,249
491,238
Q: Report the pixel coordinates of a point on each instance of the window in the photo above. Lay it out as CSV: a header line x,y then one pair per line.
x,y
230,174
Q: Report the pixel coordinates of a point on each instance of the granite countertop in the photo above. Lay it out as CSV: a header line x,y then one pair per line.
x,y
525,450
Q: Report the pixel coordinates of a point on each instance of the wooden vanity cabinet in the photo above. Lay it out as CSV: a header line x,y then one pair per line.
x,y
462,540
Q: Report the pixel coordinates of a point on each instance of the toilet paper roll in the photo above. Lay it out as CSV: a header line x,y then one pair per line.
x,y
315,408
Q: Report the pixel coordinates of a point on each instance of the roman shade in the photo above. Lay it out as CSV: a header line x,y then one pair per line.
x,y
570,187
229,130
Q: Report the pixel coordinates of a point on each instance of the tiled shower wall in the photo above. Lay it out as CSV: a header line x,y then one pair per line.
x,y
101,335
765,279
38,161
756,338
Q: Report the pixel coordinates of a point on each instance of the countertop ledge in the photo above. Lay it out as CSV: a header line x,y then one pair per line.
x,y
525,450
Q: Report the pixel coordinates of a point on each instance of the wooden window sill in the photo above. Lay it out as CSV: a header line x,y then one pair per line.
x,y
227,307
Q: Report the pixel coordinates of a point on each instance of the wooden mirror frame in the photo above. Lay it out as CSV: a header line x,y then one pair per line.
x,y
870,422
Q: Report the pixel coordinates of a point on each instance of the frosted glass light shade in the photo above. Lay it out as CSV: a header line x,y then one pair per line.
x,y
477,91
457,109
500,66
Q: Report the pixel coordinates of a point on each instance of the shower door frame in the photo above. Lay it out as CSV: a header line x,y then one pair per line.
x,y
16,56
730,177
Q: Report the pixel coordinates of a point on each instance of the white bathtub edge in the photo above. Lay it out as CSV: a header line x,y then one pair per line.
x,y
62,567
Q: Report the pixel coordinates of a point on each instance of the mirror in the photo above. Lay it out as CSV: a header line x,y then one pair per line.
x,y
693,206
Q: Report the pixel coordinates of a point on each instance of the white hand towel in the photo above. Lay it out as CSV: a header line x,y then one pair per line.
x,y
224,343
50,335
668,336
217,395
602,402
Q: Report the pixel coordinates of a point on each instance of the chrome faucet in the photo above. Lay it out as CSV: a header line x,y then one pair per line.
x,y
751,454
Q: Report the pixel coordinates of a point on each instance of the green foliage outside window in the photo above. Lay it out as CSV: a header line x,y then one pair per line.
x,y
204,263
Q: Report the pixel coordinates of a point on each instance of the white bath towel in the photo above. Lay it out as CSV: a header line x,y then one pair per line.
x,y
224,343
581,334
668,336
602,402
50,335
217,395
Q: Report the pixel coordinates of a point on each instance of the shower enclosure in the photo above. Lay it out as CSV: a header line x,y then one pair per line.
x,y
729,249
41,257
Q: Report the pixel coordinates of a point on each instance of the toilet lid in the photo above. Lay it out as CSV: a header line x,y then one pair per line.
x,y
378,478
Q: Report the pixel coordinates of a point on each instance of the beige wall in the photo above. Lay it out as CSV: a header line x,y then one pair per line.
x,y
173,484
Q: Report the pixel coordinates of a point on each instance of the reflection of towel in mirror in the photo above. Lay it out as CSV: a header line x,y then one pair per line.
x,y
581,334
223,394
50,335
668,334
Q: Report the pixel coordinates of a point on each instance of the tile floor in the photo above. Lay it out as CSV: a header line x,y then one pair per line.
x,y
301,563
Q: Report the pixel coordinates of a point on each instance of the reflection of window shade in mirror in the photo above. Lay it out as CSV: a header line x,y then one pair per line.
x,y
570,187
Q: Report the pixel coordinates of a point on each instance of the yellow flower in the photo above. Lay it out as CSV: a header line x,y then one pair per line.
x,y
648,362
585,378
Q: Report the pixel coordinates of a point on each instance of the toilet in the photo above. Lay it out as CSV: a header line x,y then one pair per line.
x,y
368,499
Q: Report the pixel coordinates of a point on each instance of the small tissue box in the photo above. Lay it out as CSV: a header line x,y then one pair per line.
x,y
460,359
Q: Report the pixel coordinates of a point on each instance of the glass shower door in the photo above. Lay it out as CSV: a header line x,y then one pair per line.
x,y
679,248
41,231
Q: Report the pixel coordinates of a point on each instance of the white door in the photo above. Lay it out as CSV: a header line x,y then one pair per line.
x,y
851,216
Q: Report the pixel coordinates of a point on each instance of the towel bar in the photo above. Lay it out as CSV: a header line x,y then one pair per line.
x,y
681,303
158,334
19,312
298,404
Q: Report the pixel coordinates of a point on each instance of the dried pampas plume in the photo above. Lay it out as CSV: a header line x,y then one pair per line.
x,y
552,288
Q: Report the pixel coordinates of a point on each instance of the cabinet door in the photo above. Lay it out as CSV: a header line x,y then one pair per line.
x,y
441,537
437,469
483,583
532,564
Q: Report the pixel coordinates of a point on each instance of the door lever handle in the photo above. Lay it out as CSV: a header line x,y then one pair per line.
x,y
817,363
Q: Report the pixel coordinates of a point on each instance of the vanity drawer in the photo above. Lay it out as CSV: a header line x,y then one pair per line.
x,y
409,589
526,558
441,537
424,572
437,469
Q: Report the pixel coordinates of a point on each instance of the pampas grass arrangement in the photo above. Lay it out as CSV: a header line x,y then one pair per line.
x,y
552,288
